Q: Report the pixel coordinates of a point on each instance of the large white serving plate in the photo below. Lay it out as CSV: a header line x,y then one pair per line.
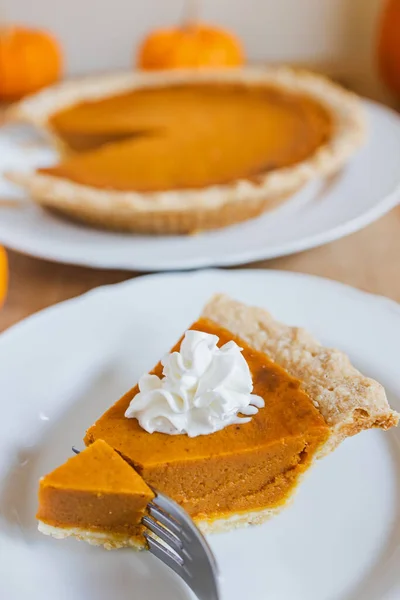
x,y
62,368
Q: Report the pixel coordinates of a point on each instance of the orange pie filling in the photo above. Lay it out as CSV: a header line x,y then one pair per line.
x,y
187,136
242,468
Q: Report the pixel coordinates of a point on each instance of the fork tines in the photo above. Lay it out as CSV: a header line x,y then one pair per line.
x,y
173,538
167,530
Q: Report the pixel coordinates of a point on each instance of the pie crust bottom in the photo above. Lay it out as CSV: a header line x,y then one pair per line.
x,y
113,541
163,221
109,540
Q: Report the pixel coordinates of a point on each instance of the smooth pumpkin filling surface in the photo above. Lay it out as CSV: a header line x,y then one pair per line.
x,y
187,136
94,491
244,467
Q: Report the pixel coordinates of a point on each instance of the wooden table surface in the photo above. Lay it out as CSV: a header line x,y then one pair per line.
x,y
368,260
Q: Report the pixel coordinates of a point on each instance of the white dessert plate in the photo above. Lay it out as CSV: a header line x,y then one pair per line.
x,y
321,212
60,369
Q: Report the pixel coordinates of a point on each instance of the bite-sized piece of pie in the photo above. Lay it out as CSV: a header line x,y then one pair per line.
x,y
230,468
95,496
180,152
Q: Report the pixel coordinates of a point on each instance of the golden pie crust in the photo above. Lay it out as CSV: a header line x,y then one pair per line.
x,y
348,401
191,210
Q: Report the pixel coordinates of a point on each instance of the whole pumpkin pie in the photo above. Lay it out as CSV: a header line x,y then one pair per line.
x,y
229,468
185,151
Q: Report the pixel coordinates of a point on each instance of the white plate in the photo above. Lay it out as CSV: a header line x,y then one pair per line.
x,y
63,367
321,212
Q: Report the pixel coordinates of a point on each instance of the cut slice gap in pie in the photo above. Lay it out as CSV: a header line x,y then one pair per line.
x,y
247,472
181,152
95,496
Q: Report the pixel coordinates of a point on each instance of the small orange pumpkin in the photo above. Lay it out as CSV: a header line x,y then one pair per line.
x,y
3,275
29,60
192,45
389,46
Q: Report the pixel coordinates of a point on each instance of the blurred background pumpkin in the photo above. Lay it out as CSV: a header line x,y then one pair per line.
x,y
389,46
29,60
191,44
3,275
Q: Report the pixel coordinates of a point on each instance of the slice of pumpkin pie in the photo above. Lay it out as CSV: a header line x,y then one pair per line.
x,y
230,420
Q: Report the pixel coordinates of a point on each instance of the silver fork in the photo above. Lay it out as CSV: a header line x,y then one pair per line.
x,y
180,545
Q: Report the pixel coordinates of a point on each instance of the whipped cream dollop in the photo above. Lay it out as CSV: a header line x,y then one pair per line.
x,y
202,390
